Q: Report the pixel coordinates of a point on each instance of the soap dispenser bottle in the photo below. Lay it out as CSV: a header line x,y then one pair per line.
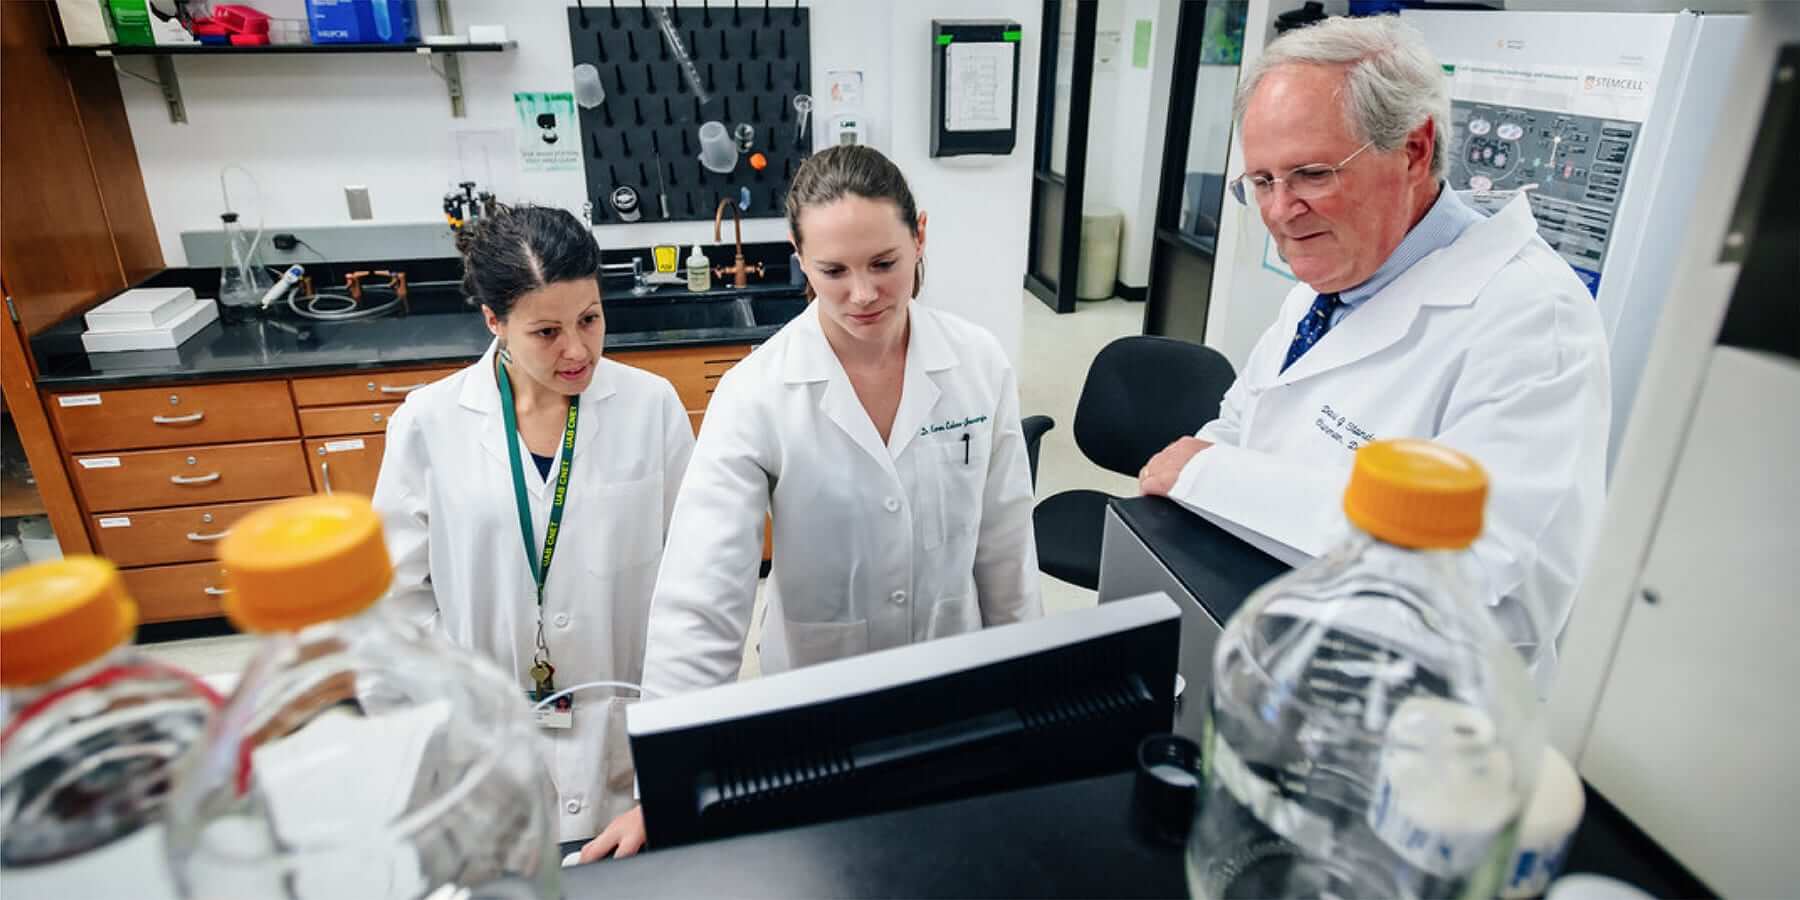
x,y
699,271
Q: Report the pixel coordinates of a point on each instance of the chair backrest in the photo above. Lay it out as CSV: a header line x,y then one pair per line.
x,y
1142,393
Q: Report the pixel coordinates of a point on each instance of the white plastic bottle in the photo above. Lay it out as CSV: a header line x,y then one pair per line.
x,y
699,271
92,731
359,756
1370,733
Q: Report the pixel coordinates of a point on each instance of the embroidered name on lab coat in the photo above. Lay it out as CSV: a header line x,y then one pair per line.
x,y
1339,428
951,425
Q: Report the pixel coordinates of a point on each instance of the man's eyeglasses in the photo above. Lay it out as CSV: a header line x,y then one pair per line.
x,y
1305,182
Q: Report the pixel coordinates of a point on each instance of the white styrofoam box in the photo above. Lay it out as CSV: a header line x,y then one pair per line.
x,y
140,309
167,336
487,34
84,22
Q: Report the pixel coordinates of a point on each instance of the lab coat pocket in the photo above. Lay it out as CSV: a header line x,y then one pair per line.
x,y
627,518
962,480
817,642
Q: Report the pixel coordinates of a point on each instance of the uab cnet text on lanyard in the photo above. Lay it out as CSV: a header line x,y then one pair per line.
x,y
543,674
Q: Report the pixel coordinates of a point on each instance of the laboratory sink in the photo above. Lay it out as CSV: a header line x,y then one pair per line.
x,y
631,317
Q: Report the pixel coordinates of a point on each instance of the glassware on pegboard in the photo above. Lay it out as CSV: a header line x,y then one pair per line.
x,y
589,92
717,152
803,105
745,135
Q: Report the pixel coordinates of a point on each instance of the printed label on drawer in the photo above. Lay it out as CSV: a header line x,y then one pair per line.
x,y
100,462
343,446
78,400
115,522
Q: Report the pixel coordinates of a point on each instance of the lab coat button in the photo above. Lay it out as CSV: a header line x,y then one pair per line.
x,y
562,620
891,504
573,806
898,596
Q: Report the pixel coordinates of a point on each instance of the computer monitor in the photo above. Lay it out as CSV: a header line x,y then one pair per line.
x,y
1062,697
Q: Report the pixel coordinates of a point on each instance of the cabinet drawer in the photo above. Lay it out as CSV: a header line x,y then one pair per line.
x,y
694,371
364,387
351,465
174,416
191,476
166,593
327,421
158,536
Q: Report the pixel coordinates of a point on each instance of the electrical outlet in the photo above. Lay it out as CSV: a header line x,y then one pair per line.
x,y
356,196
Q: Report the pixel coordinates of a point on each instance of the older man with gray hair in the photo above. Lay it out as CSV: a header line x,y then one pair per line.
x,y
1416,316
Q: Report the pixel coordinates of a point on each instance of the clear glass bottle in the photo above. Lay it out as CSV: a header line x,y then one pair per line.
x,y
91,733
242,281
359,756
1370,733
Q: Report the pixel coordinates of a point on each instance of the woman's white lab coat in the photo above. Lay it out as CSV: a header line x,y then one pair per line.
x,y
875,545
445,496
1491,346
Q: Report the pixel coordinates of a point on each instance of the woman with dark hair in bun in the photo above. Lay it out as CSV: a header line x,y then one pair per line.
x,y
526,498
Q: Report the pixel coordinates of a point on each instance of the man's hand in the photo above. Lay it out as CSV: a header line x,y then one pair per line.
x,y
624,837
1159,475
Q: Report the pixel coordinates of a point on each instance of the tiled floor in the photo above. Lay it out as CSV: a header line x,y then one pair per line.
x,y
1056,352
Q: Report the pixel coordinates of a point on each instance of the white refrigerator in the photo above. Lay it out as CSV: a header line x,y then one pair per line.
x,y
1610,116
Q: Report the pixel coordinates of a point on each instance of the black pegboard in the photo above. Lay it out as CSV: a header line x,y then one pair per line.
x,y
754,59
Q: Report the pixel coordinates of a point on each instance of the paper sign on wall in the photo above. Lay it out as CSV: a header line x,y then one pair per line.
x,y
1107,42
979,92
548,137
1140,44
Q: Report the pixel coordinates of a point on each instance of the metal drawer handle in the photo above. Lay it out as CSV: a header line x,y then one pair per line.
x,y
194,479
216,536
179,420
402,388
325,474
216,592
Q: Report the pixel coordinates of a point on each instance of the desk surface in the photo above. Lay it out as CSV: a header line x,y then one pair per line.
x,y
1216,568
1073,839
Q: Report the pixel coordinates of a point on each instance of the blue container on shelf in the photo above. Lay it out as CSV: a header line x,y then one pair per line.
x,y
363,21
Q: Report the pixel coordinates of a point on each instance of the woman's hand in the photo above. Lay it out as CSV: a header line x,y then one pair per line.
x,y
623,837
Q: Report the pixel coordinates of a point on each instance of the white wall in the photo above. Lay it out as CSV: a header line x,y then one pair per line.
x,y
308,126
1140,109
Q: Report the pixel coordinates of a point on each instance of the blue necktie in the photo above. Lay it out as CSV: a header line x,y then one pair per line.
x,y
1312,327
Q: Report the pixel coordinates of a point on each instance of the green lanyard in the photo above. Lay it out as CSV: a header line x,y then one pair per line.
x,y
540,565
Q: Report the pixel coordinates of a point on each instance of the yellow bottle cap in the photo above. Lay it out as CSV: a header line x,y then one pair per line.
x,y
57,616
304,561
1417,494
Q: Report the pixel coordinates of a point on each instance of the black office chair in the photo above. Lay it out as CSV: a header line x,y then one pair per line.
x,y
1035,426
1141,394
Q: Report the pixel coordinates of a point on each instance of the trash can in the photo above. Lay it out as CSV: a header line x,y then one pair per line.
x,y
1100,230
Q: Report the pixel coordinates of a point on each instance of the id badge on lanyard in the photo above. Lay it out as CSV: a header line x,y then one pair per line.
x,y
561,713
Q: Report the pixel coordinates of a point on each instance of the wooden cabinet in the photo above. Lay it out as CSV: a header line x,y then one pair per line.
x,y
365,387
158,536
694,371
147,479
329,421
167,593
349,465
162,473
174,416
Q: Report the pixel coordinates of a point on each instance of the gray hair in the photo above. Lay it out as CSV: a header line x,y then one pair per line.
x,y
1392,82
